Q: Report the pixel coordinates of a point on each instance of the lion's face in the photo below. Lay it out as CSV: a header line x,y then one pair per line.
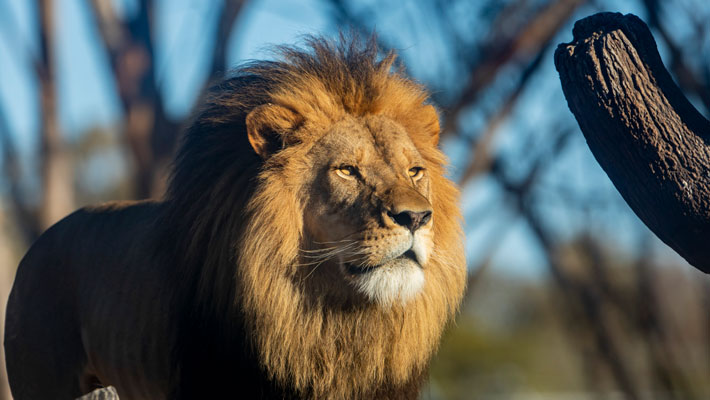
x,y
371,217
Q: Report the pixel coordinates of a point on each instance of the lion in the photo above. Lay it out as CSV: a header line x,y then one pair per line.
x,y
308,246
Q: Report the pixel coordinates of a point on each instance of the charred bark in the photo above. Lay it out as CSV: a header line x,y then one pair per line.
x,y
649,139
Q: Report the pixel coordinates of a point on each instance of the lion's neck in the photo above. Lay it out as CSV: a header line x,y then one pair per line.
x,y
326,350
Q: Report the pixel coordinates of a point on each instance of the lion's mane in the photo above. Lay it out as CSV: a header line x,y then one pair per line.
x,y
228,206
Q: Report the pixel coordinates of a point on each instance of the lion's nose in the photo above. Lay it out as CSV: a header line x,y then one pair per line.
x,y
411,220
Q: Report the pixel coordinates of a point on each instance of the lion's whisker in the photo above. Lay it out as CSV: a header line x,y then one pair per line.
x,y
326,249
336,241
321,258
330,252
313,270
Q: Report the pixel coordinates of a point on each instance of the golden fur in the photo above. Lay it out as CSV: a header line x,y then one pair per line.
x,y
233,231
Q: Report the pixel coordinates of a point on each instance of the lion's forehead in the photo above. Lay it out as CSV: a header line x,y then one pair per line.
x,y
369,140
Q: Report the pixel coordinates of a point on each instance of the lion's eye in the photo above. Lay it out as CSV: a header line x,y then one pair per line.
x,y
346,171
416,173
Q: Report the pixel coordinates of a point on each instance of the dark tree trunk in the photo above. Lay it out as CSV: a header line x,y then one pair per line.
x,y
653,144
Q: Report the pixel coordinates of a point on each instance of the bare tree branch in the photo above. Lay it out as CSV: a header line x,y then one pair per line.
x,y
687,78
230,12
25,217
530,39
57,174
578,295
130,50
150,133
481,157
650,140
647,318
582,300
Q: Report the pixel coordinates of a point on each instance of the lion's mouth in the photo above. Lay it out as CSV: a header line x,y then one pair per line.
x,y
361,270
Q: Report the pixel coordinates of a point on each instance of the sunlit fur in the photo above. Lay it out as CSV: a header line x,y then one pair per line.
x,y
322,351
388,285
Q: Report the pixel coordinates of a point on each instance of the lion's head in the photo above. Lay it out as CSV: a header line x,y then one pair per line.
x,y
325,219
367,214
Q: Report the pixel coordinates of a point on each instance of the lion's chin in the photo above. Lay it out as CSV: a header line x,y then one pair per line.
x,y
398,280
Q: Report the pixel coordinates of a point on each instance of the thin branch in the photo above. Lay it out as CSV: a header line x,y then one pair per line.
x,y
685,75
57,175
25,217
530,39
481,157
232,9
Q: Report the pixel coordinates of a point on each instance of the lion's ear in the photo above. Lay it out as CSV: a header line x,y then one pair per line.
x,y
431,119
268,127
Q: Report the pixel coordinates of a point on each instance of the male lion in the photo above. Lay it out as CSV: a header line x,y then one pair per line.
x,y
308,247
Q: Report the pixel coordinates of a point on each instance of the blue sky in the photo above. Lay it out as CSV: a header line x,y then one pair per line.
x,y
86,99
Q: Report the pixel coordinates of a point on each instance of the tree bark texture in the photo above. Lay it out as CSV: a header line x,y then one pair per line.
x,y
652,143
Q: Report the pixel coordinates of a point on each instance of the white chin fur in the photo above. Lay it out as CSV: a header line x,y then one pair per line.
x,y
398,281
